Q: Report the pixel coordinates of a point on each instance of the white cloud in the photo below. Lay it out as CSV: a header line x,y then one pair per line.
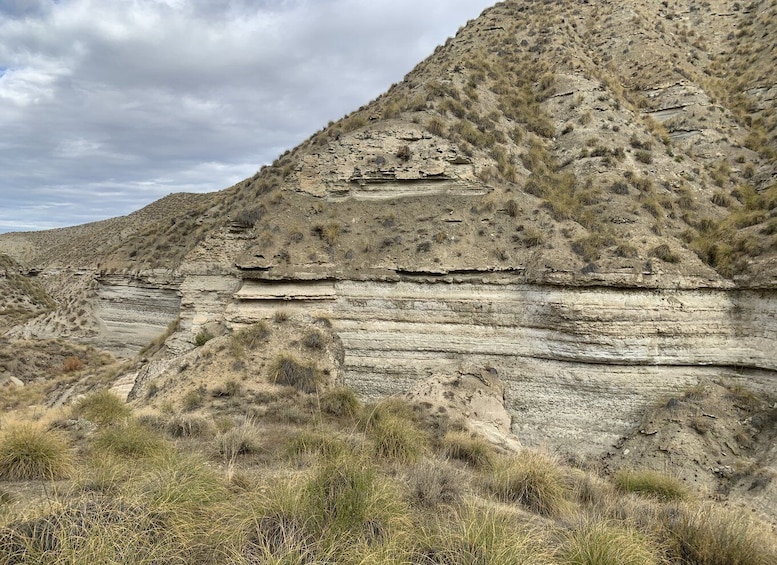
x,y
139,99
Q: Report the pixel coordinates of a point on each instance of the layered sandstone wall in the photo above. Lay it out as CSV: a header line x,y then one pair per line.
x,y
580,364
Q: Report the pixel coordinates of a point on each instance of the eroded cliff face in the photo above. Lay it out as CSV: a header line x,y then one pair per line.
x,y
580,364
133,312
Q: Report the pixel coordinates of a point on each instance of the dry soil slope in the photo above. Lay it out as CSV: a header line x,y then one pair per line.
x,y
593,139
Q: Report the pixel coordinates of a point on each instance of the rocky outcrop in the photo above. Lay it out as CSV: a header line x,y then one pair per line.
x,y
579,365
134,311
473,397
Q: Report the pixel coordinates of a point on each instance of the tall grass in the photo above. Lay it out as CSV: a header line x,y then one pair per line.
x,y
650,483
131,440
702,534
532,479
478,536
601,542
467,447
29,452
394,433
102,407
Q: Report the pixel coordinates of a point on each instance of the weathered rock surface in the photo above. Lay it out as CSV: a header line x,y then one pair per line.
x,y
579,364
134,312
475,397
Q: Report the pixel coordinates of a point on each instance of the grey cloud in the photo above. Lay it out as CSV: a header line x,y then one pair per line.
x,y
108,105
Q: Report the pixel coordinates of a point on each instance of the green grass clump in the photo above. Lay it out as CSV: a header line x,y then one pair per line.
x,y
394,433
471,449
347,497
131,440
532,479
607,543
203,337
477,536
29,452
650,483
102,407
180,481
287,370
316,442
341,402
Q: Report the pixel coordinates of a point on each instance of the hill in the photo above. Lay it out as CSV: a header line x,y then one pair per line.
x,y
576,197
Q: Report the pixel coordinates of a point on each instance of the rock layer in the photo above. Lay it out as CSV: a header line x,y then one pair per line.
x,y
579,364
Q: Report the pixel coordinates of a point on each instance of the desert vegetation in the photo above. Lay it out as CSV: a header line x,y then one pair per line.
x,y
356,483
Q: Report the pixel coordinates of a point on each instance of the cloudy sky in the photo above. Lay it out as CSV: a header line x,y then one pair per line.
x,y
108,105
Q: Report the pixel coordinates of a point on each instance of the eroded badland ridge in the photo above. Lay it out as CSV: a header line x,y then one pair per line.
x,y
580,196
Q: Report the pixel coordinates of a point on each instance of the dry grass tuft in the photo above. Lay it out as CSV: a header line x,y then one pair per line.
x,y
102,407
29,452
532,479
650,483
287,370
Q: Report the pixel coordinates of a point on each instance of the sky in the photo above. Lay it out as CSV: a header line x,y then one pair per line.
x,y
109,105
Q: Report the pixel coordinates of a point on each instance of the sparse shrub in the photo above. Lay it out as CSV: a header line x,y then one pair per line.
x,y
464,446
72,364
619,187
314,339
189,425
436,126
341,402
248,218
252,335
230,389
243,439
607,543
202,337
589,247
432,484
533,480
281,316
665,254
328,232
102,407
512,207
286,370
530,238
626,250
651,484
404,153
29,453
193,399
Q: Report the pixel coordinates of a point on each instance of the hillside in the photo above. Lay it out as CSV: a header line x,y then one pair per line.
x,y
577,135
578,198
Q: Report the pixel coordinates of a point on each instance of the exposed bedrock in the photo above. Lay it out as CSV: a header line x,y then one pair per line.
x,y
133,311
579,364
